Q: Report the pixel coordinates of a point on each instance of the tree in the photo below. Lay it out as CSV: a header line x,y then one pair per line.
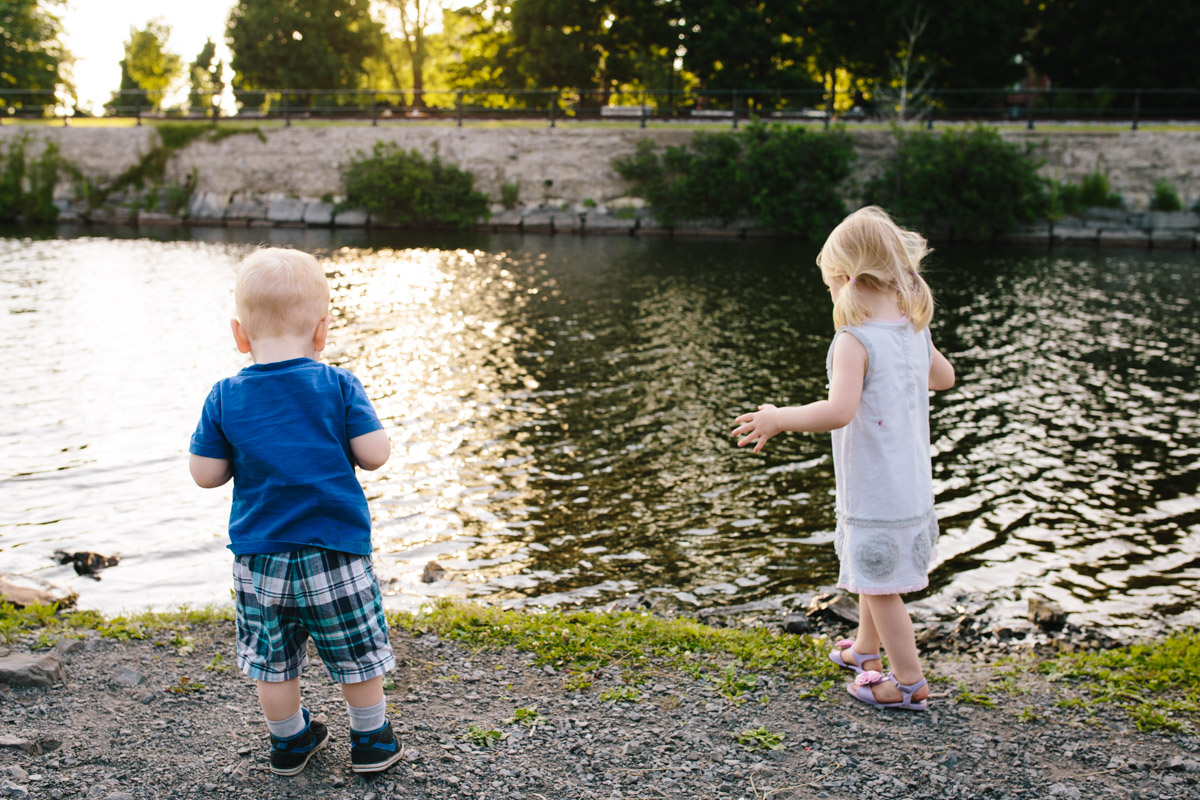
x,y
281,45
754,47
31,55
148,69
1117,45
207,79
415,19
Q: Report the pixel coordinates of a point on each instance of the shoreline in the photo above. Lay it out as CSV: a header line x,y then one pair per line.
x,y
498,704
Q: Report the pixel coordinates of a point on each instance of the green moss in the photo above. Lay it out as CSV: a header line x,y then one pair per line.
x,y
1158,683
583,643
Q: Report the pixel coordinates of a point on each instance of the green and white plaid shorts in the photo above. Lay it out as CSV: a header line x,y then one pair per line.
x,y
284,598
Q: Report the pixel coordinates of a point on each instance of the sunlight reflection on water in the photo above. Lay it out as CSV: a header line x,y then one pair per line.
x,y
559,410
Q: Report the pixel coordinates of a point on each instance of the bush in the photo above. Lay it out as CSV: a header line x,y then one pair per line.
x,y
404,188
35,203
784,177
972,180
1165,197
510,194
1094,192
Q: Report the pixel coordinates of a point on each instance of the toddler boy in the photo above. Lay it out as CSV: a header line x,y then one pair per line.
x,y
289,431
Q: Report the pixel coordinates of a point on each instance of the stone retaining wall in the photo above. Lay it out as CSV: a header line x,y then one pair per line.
x,y
565,173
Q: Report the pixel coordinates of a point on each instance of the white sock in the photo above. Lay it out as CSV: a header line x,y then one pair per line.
x,y
366,720
287,728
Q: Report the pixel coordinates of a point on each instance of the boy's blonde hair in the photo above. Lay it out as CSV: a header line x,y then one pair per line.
x,y
868,249
281,293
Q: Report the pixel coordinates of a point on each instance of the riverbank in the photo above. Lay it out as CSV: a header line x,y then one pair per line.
x,y
609,705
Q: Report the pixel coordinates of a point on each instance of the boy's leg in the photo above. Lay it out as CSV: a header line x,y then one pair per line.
x,y
373,745
890,617
279,700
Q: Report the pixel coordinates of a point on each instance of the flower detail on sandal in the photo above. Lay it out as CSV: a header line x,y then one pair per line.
x,y
860,690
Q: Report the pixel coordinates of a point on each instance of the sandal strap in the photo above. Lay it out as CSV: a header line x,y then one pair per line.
x,y
907,690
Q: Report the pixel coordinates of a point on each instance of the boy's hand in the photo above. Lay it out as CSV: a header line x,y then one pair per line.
x,y
371,450
758,426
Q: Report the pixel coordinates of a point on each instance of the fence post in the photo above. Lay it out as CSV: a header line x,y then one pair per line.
x,y
1137,106
137,111
642,111
458,108
552,104
1029,110
374,111
734,108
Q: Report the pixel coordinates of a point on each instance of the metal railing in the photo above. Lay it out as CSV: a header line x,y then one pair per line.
x,y
1005,105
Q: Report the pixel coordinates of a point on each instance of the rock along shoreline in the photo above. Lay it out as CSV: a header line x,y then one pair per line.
x,y
168,716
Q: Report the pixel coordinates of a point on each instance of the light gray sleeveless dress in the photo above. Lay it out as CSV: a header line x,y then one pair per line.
x,y
886,526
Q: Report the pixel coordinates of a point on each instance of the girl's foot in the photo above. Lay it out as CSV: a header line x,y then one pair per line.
x,y
887,690
844,655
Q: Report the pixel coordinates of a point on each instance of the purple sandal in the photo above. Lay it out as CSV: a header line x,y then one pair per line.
x,y
849,644
860,689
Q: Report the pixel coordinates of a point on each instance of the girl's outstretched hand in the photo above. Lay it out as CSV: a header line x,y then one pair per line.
x,y
757,426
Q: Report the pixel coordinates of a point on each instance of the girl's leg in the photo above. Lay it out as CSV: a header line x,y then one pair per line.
x,y
890,618
866,640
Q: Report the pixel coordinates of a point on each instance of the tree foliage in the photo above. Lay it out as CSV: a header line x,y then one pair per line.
x,y
207,78
148,67
1113,44
299,44
31,54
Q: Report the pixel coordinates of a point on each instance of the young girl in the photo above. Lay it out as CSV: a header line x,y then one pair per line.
x,y
881,366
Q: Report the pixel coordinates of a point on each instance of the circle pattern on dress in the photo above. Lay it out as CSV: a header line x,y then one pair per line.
x,y
877,557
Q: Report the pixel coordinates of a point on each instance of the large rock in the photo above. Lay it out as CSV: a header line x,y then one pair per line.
x,y
22,669
834,608
286,209
1046,614
23,591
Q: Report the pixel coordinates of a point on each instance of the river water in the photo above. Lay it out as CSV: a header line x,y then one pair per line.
x,y
560,410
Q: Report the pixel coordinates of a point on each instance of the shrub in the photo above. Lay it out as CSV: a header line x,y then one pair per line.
x,y
1094,192
1165,197
972,180
785,177
403,187
510,194
35,203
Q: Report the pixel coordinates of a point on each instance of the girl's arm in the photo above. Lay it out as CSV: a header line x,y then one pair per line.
x,y
941,372
849,370
209,473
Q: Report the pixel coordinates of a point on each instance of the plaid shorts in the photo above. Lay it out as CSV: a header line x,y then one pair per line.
x,y
283,598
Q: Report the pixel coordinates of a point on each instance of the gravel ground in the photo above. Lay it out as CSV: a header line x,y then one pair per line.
x,y
113,729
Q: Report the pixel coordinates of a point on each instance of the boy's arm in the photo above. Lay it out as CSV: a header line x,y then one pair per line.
x,y
849,370
209,473
941,372
371,450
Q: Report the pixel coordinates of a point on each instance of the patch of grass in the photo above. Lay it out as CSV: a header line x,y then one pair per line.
x,y
733,686
621,694
760,738
186,686
965,695
583,641
1027,714
218,664
483,737
1157,683
528,717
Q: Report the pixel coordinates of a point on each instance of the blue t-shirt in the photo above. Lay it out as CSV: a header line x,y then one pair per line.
x,y
286,429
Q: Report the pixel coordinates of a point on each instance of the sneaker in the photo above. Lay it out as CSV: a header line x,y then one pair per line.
x,y
374,751
289,756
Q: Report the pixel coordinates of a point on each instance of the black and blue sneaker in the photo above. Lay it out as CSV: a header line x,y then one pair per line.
x,y
374,751
289,756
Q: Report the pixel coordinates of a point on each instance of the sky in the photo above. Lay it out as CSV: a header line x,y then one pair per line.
x,y
95,31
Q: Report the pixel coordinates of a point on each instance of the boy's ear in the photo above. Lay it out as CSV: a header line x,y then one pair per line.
x,y
320,334
239,336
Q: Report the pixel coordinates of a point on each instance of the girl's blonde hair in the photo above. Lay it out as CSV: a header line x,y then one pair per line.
x,y
869,250
281,292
